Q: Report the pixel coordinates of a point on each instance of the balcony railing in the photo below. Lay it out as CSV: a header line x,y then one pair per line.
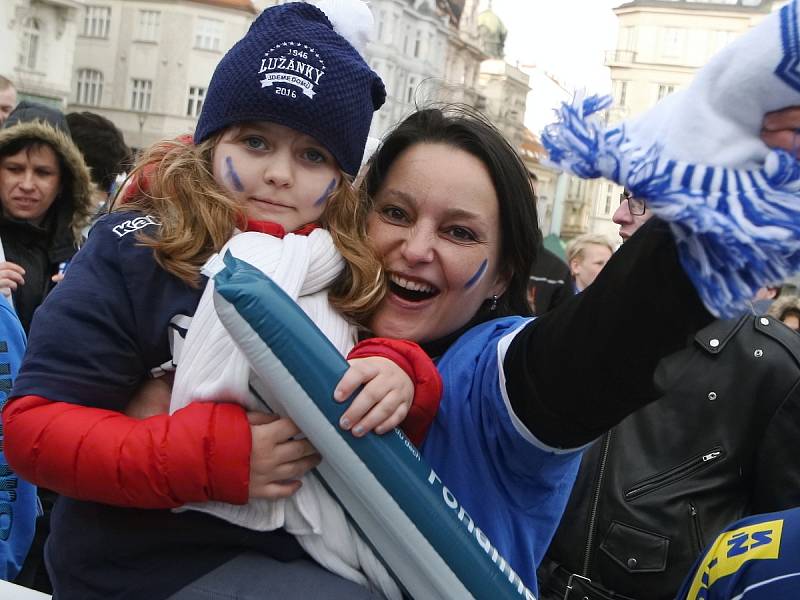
x,y
620,57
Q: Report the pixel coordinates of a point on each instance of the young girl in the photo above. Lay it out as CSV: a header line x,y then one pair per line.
x,y
282,132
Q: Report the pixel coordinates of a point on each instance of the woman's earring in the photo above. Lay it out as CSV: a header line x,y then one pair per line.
x,y
493,305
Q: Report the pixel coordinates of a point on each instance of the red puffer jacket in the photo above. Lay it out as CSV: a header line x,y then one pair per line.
x,y
200,453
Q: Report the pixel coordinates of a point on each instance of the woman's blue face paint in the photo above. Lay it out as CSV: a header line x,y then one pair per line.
x,y
478,274
326,193
233,176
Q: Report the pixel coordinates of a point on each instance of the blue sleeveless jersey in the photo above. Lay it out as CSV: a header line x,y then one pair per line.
x,y
510,484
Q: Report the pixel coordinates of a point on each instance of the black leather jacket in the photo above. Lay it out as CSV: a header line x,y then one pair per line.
x,y
721,443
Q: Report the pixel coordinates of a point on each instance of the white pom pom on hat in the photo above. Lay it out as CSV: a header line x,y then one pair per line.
x,y
351,19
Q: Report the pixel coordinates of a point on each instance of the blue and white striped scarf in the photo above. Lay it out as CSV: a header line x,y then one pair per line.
x,y
733,204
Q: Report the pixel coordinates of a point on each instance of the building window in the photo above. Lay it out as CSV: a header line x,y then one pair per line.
x,y
389,79
195,104
90,87
620,93
406,39
418,44
381,21
208,34
673,38
392,31
575,187
97,21
148,25
721,39
609,199
141,92
410,89
29,44
665,89
627,38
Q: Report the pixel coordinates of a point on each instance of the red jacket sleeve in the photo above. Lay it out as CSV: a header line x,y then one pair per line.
x,y
420,368
200,453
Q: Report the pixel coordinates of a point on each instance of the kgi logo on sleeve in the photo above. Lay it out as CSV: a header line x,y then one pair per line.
x,y
292,64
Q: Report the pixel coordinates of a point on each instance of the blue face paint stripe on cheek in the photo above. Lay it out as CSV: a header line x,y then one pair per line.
x,y
233,176
326,193
478,274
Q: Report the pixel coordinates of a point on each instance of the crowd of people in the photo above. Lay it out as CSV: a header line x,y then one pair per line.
x,y
602,446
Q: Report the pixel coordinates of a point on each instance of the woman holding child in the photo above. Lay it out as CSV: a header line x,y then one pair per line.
x,y
449,211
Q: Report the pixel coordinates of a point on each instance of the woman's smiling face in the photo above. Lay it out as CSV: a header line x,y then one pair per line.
x,y
436,225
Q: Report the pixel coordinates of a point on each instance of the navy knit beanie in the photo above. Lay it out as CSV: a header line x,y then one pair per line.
x,y
293,69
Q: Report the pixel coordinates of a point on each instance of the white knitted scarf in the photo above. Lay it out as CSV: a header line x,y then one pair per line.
x,y
212,367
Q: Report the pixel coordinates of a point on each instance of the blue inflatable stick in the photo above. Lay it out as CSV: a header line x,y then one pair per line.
x,y
415,524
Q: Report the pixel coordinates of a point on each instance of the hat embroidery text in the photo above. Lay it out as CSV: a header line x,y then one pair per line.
x,y
292,63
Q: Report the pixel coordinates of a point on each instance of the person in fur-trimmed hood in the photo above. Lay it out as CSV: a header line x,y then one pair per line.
x,y
45,193
787,310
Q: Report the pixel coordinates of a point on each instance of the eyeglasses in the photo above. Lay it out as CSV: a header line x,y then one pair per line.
x,y
635,205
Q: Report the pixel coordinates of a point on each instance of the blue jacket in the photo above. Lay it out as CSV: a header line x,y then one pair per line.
x,y
18,503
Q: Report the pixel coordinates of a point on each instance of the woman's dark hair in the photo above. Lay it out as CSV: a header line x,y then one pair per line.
x,y
468,130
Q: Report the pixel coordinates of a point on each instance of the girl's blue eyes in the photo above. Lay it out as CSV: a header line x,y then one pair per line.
x,y
256,143
312,155
315,156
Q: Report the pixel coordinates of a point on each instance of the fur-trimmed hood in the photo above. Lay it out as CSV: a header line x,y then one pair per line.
x,y
73,205
782,304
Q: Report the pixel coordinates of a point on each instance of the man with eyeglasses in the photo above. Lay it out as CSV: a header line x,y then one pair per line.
x,y
718,445
631,214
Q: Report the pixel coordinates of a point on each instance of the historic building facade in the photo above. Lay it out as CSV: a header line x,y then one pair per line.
x,y
409,52
37,47
146,65
502,87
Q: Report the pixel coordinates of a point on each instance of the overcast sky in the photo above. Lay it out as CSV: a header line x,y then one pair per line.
x,y
567,38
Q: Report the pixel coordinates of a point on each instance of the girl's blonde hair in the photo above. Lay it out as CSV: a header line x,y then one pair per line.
x,y
175,184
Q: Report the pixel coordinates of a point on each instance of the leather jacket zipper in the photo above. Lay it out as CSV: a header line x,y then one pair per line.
x,y
698,532
595,502
666,477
